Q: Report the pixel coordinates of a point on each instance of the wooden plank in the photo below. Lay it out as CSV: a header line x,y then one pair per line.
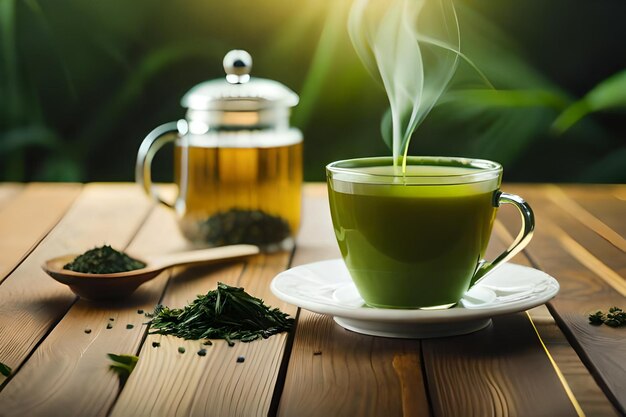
x,y
501,364
31,303
565,248
245,388
28,216
167,383
619,191
580,240
501,370
611,209
576,377
326,375
602,202
69,372
335,372
8,190
589,395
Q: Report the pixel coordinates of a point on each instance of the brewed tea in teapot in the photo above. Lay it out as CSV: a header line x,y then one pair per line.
x,y
237,162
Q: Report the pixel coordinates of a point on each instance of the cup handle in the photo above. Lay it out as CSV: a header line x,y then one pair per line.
x,y
522,239
149,147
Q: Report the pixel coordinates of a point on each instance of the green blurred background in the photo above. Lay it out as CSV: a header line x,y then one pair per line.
x,y
82,83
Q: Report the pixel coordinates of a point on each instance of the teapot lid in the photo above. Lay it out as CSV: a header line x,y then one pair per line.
x,y
239,91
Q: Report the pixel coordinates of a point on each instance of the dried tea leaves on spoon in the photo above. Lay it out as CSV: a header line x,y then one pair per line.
x,y
225,313
104,260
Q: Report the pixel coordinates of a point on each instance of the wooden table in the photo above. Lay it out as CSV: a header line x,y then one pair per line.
x,y
547,362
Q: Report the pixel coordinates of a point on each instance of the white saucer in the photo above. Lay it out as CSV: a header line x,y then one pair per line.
x,y
326,288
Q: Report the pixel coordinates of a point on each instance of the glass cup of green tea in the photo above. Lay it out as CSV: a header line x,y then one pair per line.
x,y
415,235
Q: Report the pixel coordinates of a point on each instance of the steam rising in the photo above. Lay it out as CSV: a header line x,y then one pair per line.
x,y
413,47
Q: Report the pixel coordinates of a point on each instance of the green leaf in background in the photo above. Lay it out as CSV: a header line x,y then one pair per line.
x,y
5,369
496,54
81,83
492,124
609,94
498,99
321,64
97,130
489,123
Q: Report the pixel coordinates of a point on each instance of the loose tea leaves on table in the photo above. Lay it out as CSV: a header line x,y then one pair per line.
x,y
616,317
253,227
104,260
225,313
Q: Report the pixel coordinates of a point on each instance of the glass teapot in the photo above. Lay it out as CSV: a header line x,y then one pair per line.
x,y
237,163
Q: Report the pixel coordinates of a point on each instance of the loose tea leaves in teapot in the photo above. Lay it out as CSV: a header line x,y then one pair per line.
x,y
253,227
103,260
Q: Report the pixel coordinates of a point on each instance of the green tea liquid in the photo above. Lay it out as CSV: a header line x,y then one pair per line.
x,y
409,246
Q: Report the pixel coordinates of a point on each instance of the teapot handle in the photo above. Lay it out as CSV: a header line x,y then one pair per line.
x,y
151,144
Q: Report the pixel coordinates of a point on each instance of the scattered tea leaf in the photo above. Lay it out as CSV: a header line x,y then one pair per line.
x,y
155,344
240,359
202,352
139,311
5,369
109,326
225,313
616,317
123,365
181,349
130,326
596,318
87,331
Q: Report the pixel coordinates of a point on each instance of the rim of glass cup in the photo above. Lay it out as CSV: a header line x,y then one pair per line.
x,y
348,170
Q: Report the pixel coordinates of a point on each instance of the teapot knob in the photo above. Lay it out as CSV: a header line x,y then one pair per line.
x,y
237,64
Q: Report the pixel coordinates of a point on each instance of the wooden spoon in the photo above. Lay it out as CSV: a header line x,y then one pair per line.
x,y
122,284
